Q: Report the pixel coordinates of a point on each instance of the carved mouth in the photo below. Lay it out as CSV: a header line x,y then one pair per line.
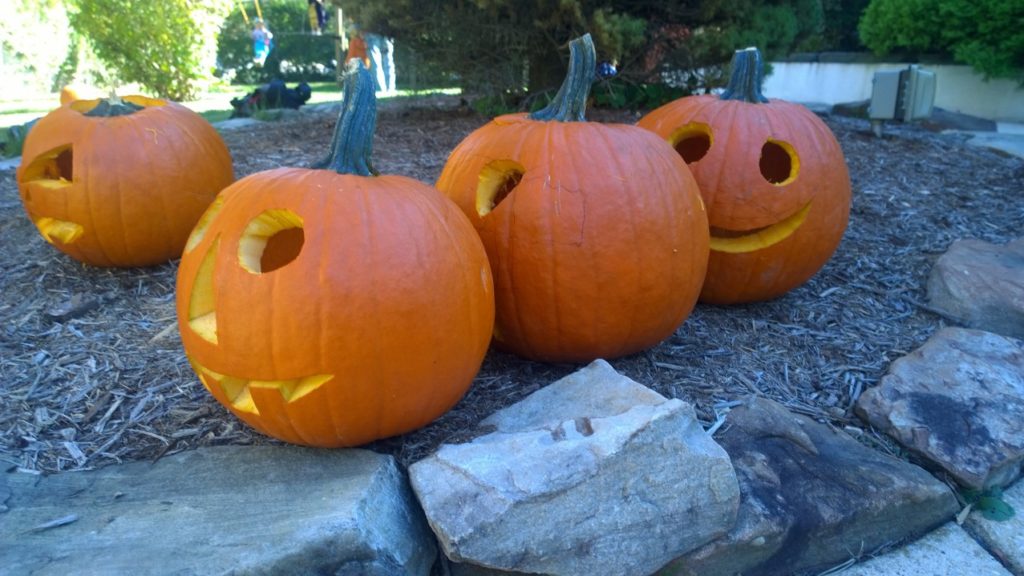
x,y
247,395
737,242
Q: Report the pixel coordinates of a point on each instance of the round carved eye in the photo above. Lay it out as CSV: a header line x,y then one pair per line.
x,y
692,141
779,162
270,241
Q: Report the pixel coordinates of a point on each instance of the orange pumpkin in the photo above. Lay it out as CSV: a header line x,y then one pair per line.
x,y
773,178
121,182
595,232
332,307
68,95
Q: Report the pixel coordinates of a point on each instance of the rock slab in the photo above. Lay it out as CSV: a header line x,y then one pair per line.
x,y
948,551
225,510
593,474
812,497
981,285
1004,539
957,402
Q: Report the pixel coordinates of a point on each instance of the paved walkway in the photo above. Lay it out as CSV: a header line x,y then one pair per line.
x,y
978,548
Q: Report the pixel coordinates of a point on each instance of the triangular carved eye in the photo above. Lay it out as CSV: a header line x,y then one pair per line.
x,y
270,241
496,181
53,169
779,163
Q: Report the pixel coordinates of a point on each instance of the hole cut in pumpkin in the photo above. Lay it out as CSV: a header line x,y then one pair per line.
x,y
62,231
204,223
271,241
692,141
497,180
52,169
779,163
202,303
247,395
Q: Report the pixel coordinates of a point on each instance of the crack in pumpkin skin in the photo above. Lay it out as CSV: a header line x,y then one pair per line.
x,y
240,391
737,242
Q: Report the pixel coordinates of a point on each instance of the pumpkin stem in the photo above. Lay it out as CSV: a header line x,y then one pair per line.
x,y
747,75
352,143
570,103
113,105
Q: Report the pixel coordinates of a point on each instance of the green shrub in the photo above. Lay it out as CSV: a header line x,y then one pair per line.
x,y
162,45
985,34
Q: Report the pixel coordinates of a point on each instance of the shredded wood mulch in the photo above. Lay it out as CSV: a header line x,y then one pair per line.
x,y
92,371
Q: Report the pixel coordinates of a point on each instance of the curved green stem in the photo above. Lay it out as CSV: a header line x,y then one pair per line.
x,y
570,103
747,75
352,143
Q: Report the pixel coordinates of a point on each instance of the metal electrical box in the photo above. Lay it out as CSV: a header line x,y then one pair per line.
x,y
901,94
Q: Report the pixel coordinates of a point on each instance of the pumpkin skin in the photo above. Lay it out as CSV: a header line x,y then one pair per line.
x,y
600,248
68,95
121,190
331,309
774,181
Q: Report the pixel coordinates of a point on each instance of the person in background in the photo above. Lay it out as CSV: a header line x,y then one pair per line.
x,y
317,16
382,58
262,41
357,47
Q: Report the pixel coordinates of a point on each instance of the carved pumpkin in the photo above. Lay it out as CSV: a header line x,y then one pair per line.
x,y
773,178
68,95
595,232
332,307
121,182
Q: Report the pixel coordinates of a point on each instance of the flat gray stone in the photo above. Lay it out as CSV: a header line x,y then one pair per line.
x,y
1004,539
957,402
225,510
10,163
981,285
594,474
811,496
235,123
948,551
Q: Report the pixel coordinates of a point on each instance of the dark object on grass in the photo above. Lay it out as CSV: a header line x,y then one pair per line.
x,y
12,141
272,95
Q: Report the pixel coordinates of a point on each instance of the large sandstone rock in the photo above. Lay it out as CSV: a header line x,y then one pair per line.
x,y
594,474
812,497
227,510
982,285
958,402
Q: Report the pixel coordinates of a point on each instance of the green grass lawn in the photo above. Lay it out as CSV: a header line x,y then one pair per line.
x,y
214,105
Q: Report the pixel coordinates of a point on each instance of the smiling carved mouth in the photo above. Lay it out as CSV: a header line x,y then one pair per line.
x,y
246,395
737,242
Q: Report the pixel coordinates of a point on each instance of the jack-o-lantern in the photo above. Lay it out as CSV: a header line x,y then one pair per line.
x,y
595,232
773,178
332,307
121,182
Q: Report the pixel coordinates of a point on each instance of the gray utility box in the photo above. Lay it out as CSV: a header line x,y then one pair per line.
x,y
906,95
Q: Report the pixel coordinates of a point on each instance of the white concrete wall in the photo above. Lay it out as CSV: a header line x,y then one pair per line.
x,y
957,88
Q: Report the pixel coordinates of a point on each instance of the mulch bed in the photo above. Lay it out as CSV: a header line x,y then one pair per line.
x,y
92,371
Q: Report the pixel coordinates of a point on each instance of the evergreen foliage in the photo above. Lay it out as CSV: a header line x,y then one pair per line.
x,y
986,34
